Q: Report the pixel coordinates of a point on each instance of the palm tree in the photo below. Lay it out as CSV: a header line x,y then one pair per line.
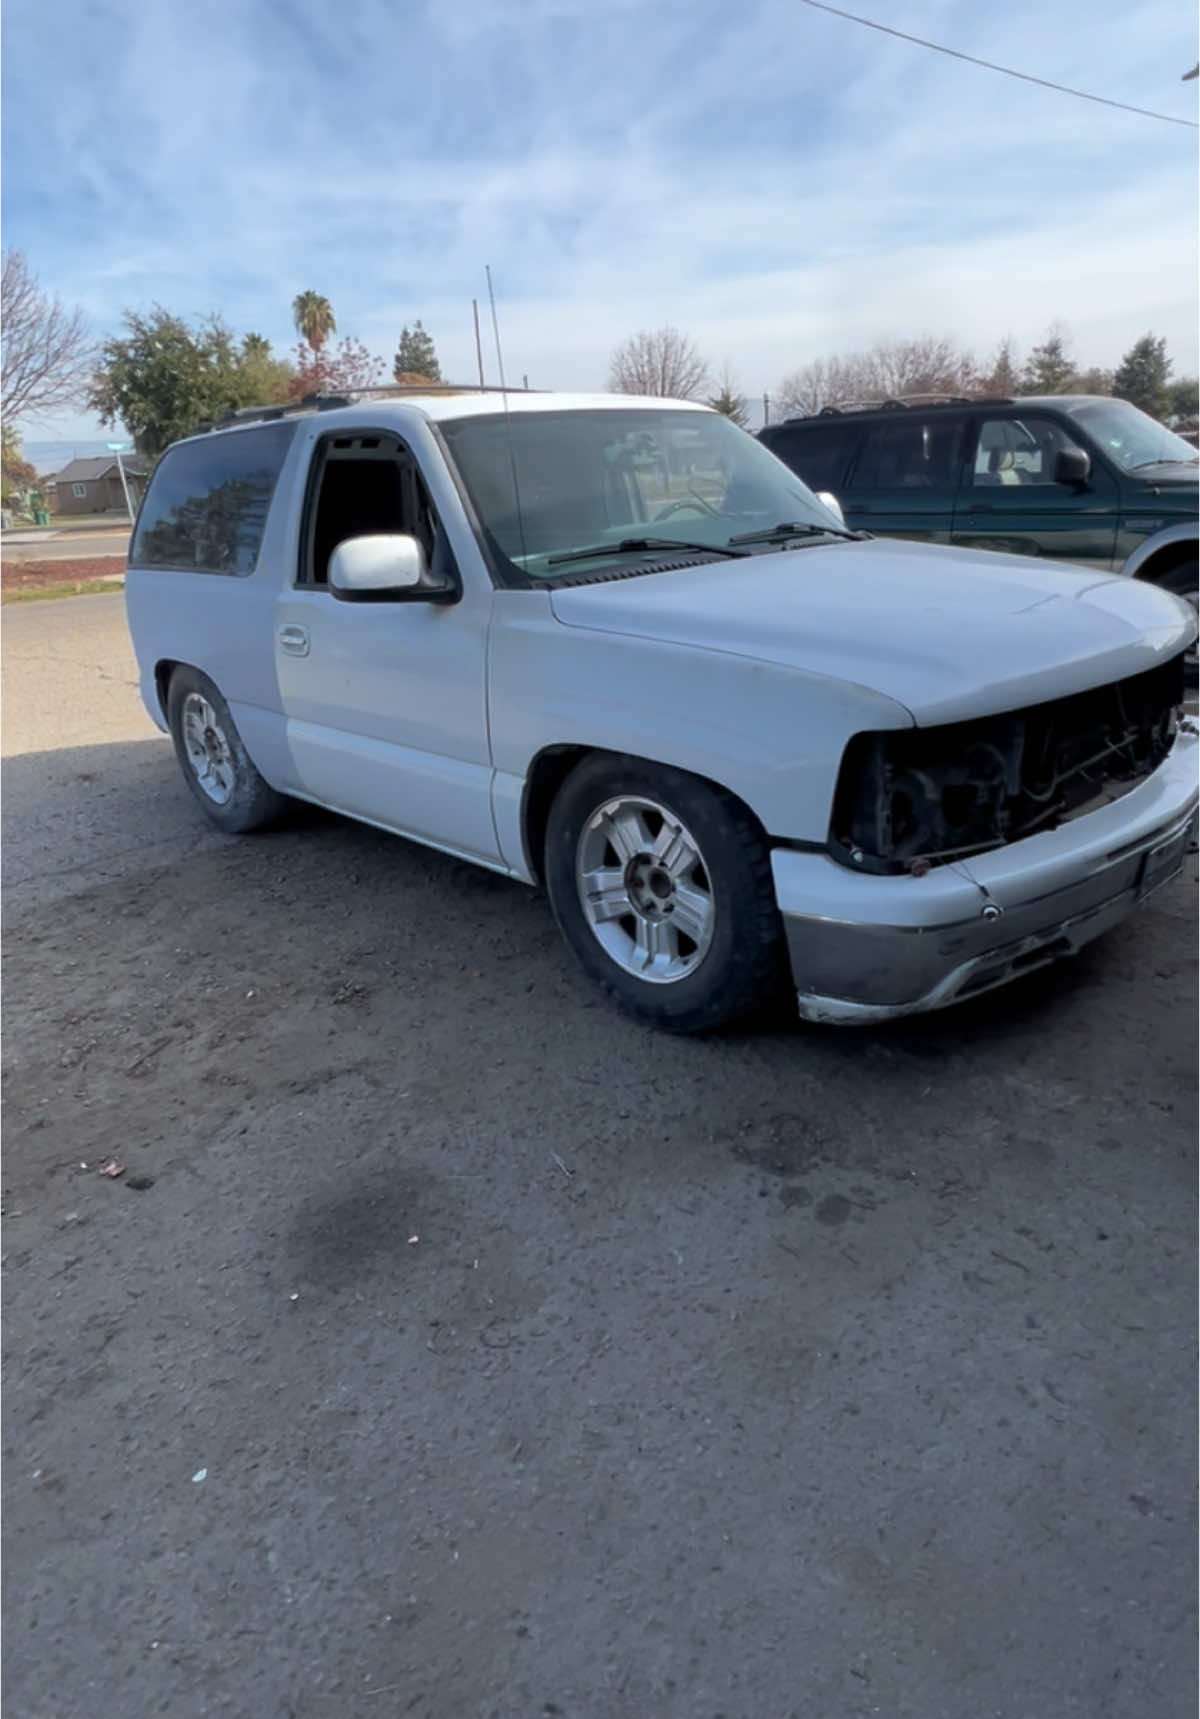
x,y
314,319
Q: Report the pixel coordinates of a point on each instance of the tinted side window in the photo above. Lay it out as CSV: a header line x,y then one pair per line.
x,y
818,453
1018,452
208,499
910,452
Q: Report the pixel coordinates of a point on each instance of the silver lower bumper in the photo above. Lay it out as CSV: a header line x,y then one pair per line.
x,y
889,946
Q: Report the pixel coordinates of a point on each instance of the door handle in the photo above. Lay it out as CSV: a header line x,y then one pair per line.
x,y
980,507
294,640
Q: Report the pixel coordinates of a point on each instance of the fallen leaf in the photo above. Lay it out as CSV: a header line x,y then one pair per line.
x,y
111,1168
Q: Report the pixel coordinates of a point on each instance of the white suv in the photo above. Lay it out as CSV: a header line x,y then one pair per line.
x,y
614,646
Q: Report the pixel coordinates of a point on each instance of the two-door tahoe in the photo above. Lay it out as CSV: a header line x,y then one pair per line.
x,y
616,647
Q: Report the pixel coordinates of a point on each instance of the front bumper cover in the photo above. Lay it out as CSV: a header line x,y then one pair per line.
x,y
866,949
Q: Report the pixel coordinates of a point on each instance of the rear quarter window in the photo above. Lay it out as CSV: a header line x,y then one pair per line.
x,y
820,452
207,503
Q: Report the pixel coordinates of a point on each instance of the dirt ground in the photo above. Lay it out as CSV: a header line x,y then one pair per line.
x,y
452,1346
22,576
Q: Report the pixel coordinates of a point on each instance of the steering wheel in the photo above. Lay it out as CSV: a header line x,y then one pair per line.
x,y
692,504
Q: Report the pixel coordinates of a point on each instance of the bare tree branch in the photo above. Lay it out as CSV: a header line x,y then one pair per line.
x,y
46,352
930,364
664,363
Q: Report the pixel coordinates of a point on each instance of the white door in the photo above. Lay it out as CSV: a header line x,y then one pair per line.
x,y
385,703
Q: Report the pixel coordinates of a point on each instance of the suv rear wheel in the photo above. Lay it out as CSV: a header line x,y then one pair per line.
x,y
215,764
662,886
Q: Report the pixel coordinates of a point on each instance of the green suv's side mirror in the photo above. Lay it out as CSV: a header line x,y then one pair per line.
x,y
1072,466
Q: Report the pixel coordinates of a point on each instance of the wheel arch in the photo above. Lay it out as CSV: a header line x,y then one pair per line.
x,y
550,768
1179,544
163,670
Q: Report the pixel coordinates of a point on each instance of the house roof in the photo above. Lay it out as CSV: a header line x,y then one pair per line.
x,y
89,471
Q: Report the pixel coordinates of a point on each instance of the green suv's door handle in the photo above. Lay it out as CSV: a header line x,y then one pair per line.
x,y
981,507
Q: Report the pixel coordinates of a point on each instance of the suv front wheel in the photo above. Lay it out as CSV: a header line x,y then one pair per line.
x,y
1184,580
661,884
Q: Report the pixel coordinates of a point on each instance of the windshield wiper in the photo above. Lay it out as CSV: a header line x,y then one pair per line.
x,y
788,528
640,546
1177,461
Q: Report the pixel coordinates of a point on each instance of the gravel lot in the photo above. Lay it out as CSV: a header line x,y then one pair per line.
x,y
451,1346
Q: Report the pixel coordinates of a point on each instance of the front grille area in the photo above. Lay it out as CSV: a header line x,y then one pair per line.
x,y
920,797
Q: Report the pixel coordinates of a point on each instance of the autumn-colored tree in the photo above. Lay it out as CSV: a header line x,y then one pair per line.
x,y
17,474
348,368
313,316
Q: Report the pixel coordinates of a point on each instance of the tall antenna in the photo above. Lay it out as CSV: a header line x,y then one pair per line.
x,y
512,452
495,325
478,343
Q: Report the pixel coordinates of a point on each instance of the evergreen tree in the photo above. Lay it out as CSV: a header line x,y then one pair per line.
x,y
729,402
1050,369
416,355
1004,377
1141,376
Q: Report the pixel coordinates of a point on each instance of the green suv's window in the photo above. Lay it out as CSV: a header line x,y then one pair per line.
x,y
911,452
1129,438
1014,453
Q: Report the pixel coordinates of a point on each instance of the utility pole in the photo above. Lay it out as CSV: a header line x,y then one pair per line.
x,y
478,342
116,448
766,410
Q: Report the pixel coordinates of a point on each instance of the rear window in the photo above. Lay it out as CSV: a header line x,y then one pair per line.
x,y
819,453
207,503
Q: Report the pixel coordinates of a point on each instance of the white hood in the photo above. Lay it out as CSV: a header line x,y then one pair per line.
x,y
948,633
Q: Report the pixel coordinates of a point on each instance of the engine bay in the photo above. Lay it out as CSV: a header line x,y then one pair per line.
x,y
914,798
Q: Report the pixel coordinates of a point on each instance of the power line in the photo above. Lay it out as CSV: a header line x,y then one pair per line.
x,y
990,65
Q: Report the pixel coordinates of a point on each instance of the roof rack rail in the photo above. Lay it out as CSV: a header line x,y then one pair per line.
x,y
902,402
347,397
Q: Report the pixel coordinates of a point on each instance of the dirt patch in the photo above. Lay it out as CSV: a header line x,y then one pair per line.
x,y
41,578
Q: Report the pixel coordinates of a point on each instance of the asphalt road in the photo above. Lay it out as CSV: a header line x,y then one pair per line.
x,y
54,545
452,1346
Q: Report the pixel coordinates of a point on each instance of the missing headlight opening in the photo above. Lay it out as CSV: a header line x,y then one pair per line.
x,y
919,797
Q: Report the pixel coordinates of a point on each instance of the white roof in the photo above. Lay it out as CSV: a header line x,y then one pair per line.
x,y
377,408
439,406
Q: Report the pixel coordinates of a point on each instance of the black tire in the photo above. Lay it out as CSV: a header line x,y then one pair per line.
x,y
250,803
741,966
1184,580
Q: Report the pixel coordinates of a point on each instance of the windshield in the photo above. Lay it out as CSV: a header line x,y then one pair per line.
x,y
622,483
1129,437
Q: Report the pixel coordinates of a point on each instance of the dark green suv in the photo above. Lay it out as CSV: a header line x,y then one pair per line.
x,y
1085,479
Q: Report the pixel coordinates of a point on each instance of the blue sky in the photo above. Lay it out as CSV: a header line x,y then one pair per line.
x,y
779,183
